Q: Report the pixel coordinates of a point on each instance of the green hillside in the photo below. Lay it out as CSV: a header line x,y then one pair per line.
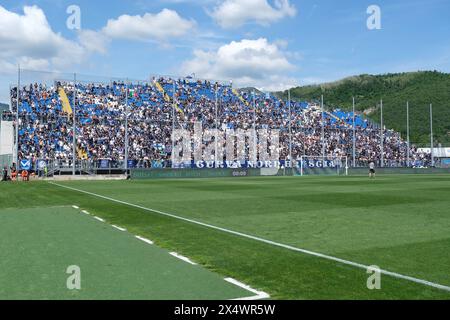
x,y
3,107
419,88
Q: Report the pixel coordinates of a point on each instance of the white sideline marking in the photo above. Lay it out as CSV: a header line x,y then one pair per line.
x,y
285,246
85,212
76,207
119,228
99,219
145,240
185,259
258,294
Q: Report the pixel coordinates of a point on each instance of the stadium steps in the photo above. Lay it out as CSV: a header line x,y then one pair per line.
x,y
65,101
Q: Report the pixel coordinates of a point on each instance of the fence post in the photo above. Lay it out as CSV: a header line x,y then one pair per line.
x,y
290,127
126,126
17,119
382,136
431,138
354,135
74,141
407,135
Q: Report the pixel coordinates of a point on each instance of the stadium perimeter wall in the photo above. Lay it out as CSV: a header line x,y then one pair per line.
x,y
217,173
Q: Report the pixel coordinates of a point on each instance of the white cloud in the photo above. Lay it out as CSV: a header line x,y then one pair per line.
x,y
161,26
235,13
257,63
93,41
29,40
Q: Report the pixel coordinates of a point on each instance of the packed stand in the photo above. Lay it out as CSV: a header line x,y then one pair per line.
x,y
46,128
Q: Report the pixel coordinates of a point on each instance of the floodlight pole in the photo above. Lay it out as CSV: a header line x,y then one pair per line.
x,y
354,135
17,119
408,151
126,127
382,136
290,128
254,126
74,141
322,127
217,126
431,138
173,122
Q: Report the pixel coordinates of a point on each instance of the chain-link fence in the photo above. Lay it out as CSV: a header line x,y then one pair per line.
x,y
6,160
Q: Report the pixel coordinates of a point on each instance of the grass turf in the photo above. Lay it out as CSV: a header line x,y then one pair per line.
x,y
399,223
38,246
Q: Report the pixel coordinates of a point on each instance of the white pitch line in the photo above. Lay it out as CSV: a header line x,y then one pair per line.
x,y
273,243
185,259
99,219
144,239
76,207
258,294
85,212
119,228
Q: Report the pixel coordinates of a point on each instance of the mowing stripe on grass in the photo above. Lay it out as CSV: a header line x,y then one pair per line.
x,y
273,243
185,259
259,294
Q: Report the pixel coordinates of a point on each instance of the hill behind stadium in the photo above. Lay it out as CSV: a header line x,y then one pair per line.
x,y
3,107
419,88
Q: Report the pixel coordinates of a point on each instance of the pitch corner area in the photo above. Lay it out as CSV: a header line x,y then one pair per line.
x,y
45,249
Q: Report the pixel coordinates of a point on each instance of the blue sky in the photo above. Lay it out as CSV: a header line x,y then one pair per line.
x,y
270,44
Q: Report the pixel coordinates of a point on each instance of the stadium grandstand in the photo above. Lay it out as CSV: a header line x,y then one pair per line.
x,y
157,107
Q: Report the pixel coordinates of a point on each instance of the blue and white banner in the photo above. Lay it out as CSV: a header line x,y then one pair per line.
x,y
104,164
41,164
258,164
25,164
131,164
157,164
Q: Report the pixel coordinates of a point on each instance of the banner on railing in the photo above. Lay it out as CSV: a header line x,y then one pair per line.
x,y
257,164
25,164
41,164
103,164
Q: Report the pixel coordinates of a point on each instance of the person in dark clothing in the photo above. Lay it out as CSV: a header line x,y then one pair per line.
x,y
5,174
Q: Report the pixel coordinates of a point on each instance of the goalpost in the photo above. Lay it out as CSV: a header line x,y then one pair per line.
x,y
319,165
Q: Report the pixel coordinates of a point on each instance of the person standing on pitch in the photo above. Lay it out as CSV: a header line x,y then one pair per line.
x,y
5,174
371,170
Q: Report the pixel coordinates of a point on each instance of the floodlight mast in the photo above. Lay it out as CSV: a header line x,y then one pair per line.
x,y
382,136
126,126
407,136
290,128
354,135
17,118
74,141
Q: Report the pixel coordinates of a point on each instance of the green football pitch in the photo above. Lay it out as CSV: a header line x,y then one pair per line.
x,y
292,237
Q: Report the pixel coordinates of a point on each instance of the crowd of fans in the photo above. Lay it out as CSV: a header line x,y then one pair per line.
x,y
152,110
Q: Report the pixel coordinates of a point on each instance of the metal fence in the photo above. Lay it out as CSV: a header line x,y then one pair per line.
x,y
6,160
